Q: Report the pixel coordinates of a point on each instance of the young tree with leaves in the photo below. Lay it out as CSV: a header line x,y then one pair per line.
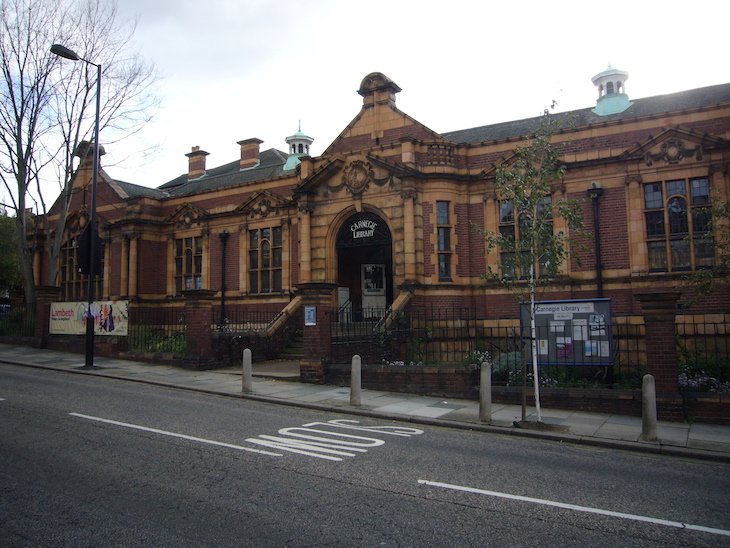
x,y
717,218
47,105
532,253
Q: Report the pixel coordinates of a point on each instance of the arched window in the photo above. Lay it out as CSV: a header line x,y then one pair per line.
x,y
301,148
678,225
609,88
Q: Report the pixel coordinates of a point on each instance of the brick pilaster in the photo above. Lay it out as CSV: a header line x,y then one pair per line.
x,y
44,296
198,321
659,310
317,338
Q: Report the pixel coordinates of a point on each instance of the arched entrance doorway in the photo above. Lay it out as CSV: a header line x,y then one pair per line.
x,y
365,264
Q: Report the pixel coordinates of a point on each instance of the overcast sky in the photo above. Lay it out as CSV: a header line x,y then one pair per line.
x,y
237,69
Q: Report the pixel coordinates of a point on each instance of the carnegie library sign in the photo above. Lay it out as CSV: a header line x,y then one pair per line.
x,y
362,229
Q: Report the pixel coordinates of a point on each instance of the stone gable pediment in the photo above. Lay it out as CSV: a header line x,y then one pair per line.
x,y
264,203
673,146
187,216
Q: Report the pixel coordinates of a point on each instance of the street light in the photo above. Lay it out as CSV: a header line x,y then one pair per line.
x,y
66,53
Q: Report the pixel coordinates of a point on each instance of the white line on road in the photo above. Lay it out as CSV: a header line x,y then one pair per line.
x,y
588,509
175,435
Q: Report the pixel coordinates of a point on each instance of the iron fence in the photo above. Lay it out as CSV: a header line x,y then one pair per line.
x,y
17,321
156,330
703,349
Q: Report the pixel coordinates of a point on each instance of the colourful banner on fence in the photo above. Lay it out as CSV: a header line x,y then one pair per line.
x,y
110,318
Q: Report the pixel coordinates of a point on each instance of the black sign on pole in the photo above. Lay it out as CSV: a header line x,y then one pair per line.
x,y
578,332
83,253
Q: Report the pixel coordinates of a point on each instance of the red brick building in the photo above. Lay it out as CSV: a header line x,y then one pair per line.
x,y
385,214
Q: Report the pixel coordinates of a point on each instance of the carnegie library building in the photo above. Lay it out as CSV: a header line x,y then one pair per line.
x,y
377,236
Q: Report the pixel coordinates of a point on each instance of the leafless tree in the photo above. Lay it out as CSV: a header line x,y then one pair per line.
x,y
47,105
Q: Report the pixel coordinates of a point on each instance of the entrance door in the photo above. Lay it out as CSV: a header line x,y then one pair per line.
x,y
365,263
373,289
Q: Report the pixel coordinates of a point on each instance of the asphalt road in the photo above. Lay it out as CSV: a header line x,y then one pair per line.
x,y
87,461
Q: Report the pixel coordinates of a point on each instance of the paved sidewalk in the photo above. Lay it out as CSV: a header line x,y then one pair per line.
x,y
277,382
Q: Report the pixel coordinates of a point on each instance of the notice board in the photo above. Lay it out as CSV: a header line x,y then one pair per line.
x,y
577,332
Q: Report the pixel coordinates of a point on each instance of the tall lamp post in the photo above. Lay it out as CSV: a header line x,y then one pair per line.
x,y
66,53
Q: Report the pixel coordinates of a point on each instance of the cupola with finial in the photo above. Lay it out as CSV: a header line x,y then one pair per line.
x,y
612,97
298,147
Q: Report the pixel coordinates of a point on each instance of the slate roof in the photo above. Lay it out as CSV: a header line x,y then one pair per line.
x,y
648,106
271,164
131,190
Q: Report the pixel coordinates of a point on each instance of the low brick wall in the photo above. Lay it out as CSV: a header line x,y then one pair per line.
x,y
463,383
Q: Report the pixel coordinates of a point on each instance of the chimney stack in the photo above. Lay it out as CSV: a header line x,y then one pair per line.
x,y
249,152
196,163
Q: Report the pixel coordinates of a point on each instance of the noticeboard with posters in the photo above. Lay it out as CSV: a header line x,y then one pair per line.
x,y
577,332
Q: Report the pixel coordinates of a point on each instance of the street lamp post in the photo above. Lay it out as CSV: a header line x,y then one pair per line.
x,y
66,53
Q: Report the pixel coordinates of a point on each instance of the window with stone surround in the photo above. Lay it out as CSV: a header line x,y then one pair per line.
x,y
678,225
74,283
443,237
265,252
510,228
188,263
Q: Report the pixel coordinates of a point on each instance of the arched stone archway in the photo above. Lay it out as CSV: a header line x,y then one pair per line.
x,y
365,262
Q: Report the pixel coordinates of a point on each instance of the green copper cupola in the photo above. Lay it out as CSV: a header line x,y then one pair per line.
x,y
298,147
612,98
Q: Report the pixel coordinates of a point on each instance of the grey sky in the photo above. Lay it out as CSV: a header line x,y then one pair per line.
x,y
236,69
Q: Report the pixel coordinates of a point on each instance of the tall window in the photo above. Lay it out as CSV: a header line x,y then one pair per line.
x,y
678,225
265,259
188,263
443,236
514,257
74,284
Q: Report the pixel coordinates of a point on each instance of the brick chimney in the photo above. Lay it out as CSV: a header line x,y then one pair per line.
x,y
196,163
249,152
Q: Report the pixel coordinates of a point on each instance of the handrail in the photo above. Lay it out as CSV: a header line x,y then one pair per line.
x,y
284,315
398,305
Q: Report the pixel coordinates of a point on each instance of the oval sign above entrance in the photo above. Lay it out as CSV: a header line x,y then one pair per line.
x,y
363,229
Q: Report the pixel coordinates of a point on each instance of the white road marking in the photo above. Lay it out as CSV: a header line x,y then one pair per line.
x,y
588,509
175,435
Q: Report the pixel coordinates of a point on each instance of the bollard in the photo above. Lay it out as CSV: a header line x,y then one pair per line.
x,y
485,393
247,383
648,409
356,380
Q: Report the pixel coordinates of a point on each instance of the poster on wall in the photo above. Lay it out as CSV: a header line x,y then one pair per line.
x,y
110,318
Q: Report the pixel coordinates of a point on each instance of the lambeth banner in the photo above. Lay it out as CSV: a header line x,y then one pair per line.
x,y
110,318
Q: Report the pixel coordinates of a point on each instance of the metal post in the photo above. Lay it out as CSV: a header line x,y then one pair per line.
x,y
356,381
66,53
89,364
247,383
224,238
485,393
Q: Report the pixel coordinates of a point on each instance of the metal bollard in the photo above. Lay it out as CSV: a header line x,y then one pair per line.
x,y
648,409
247,383
356,380
485,393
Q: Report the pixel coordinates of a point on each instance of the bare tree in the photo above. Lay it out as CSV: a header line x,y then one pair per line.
x,y
47,104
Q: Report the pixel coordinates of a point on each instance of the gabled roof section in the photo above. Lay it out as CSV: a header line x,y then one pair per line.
x,y
129,190
659,104
379,121
271,164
